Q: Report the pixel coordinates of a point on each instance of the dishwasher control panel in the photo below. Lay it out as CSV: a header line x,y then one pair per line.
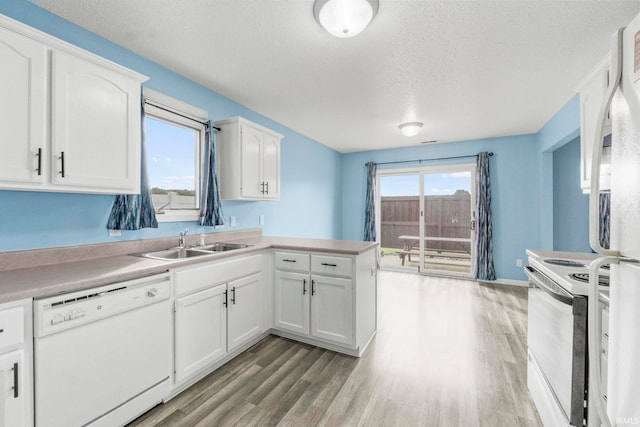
x,y
60,312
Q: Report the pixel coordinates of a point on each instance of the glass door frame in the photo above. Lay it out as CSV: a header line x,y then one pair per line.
x,y
421,171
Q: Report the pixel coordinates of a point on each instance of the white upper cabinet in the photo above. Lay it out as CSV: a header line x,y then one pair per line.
x,y
592,92
248,160
70,120
23,107
95,128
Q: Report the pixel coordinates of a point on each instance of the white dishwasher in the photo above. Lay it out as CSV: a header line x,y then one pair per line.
x,y
102,355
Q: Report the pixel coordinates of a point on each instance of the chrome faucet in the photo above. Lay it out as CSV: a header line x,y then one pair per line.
x,y
181,239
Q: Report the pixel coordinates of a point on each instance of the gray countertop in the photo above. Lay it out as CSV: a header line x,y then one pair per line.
x,y
33,274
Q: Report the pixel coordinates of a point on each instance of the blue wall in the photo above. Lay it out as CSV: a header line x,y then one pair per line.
x,y
514,179
310,190
561,129
571,207
322,190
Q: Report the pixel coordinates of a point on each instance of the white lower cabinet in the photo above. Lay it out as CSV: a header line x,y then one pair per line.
x,y
326,300
16,364
291,301
13,402
332,309
200,330
218,308
313,305
243,310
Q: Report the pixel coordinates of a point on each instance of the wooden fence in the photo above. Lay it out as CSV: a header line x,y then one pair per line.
x,y
445,216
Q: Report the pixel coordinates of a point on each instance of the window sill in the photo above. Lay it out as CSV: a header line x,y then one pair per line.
x,y
176,216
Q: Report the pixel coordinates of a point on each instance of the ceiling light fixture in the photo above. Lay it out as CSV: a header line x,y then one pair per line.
x,y
410,128
345,18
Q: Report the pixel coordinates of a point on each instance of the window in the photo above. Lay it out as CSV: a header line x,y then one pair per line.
x,y
174,139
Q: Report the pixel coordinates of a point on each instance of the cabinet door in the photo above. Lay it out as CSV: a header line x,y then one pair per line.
x,y
332,309
292,292
96,127
200,330
244,312
23,101
13,410
251,182
271,166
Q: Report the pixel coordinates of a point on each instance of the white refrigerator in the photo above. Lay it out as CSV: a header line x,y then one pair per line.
x,y
622,406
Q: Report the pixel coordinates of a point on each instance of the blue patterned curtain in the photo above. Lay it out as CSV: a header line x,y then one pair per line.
x,y
135,211
483,263
605,210
370,206
210,204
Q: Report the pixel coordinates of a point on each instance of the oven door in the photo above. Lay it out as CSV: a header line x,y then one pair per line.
x,y
557,339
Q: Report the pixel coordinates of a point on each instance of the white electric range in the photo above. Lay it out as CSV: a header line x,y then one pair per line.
x,y
557,367
568,269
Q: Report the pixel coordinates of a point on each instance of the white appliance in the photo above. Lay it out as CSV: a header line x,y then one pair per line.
x,y
557,375
622,406
102,356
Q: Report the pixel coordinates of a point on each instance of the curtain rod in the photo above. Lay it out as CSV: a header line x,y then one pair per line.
x,y
178,114
428,160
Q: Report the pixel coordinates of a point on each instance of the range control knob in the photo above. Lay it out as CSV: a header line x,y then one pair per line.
x,y
152,292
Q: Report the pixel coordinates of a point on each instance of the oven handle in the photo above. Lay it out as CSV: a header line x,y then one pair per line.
x,y
558,294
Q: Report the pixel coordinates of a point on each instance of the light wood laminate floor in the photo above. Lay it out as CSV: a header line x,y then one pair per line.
x,y
447,353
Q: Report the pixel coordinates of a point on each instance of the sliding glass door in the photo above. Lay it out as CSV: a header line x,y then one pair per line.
x,y
425,219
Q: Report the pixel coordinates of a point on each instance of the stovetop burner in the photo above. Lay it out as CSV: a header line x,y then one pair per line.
x,y
563,262
584,278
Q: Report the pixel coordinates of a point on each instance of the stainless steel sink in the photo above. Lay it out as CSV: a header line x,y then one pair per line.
x,y
196,251
175,253
221,247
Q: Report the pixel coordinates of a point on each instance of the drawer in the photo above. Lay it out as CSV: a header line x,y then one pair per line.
x,y
333,265
198,277
292,261
11,327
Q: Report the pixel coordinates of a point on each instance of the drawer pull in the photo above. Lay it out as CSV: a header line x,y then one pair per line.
x,y
16,393
1,330
329,265
288,260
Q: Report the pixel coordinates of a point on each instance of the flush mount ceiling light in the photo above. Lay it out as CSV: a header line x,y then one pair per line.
x,y
410,128
345,18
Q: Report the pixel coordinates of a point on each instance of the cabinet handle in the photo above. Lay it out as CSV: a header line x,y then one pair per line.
x,y
224,302
39,156
267,187
329,265
304,286
16,393
313,287
61,163
262,185
233,295
288,260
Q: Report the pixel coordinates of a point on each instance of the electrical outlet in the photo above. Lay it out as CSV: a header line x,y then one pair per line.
x,y
261,219
115,233
519,262
232,221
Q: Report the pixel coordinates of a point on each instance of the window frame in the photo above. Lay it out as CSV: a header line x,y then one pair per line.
x,y
172,111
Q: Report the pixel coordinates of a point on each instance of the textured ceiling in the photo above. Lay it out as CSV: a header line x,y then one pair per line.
x,y
467,69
